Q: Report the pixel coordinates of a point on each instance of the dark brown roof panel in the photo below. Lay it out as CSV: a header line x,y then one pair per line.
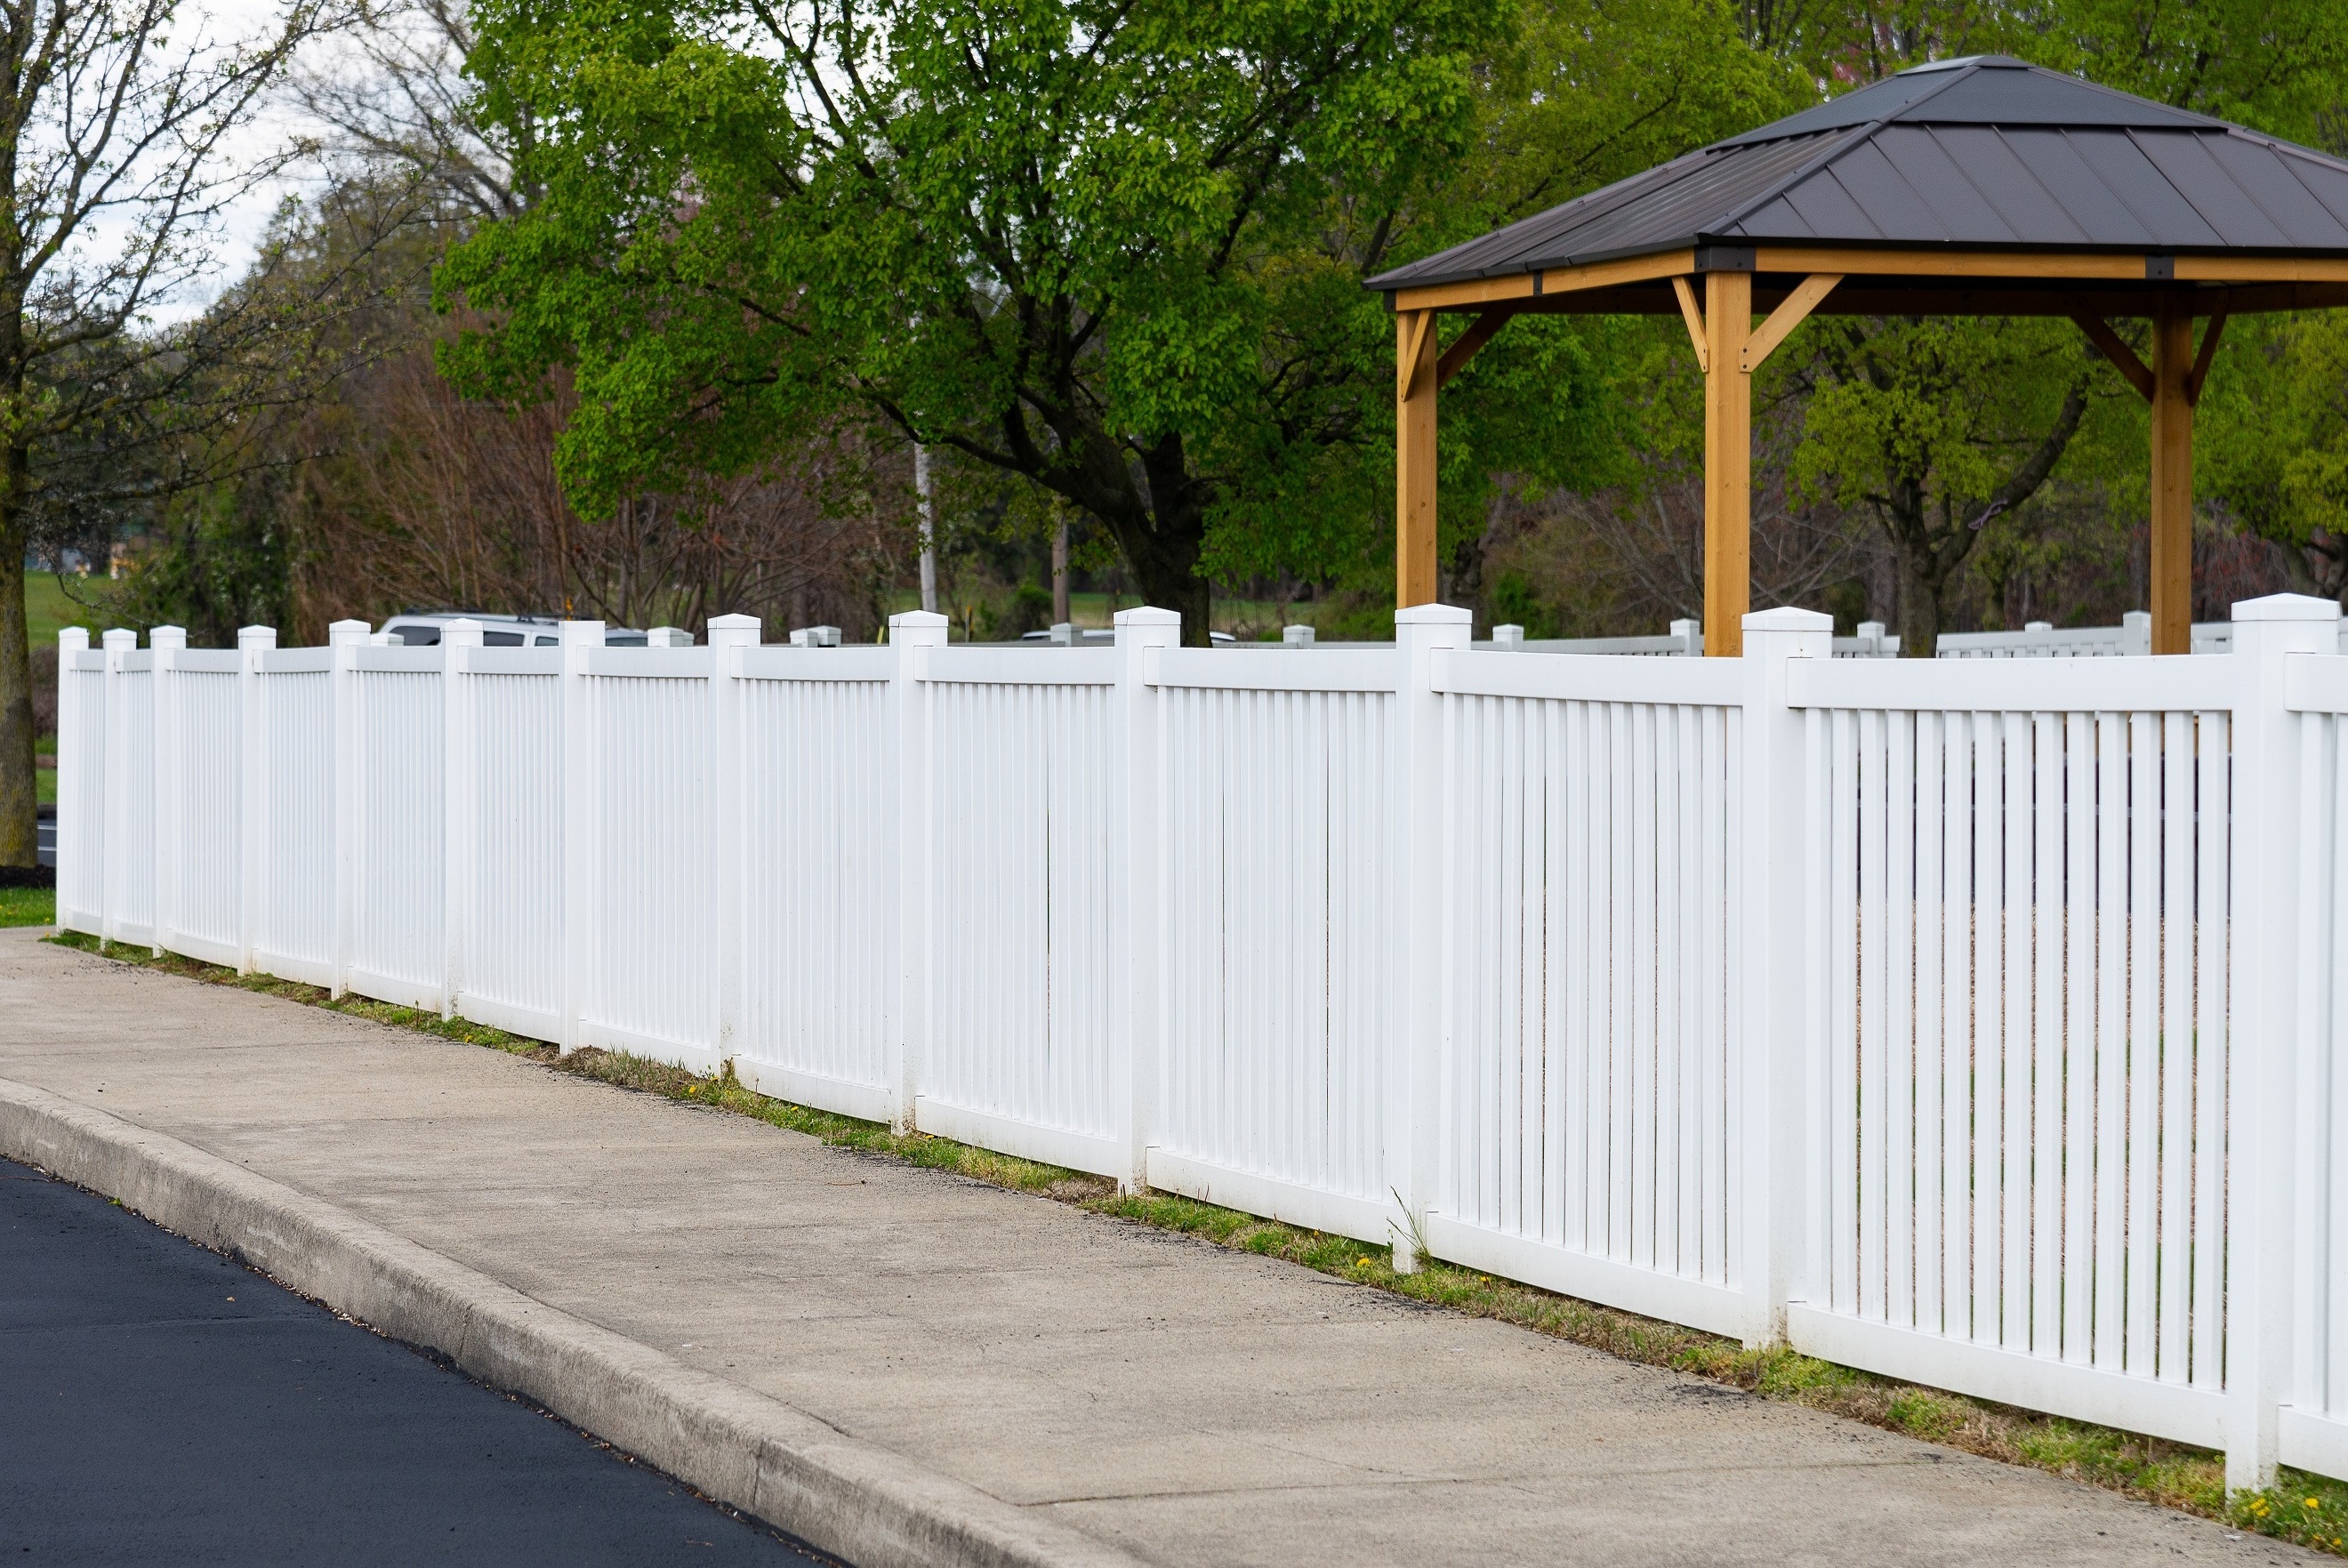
x,y
2265,178
2093,207
1897,207
2326,184
1989,153
2008,184
1957,205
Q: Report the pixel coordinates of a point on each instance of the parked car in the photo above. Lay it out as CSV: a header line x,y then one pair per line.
x,y
422,630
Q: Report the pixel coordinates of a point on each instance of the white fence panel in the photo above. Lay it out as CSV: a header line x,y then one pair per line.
x,y
396,844
1593,1046
82,817
2022,914
1280,932
1963,1024
129,793
1024,925
2314,1426
201,889
817,810
294,930
652,983
512,902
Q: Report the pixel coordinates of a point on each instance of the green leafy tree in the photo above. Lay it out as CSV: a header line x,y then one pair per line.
x,y
119,135
1937,428
1113,249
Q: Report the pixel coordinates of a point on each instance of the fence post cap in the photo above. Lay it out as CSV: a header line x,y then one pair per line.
x,y
73,639
913,618
256,636
2287,607
1786,618
1142,616
581,634
464,632
1433,615
343,632
741,623
167,637
120,638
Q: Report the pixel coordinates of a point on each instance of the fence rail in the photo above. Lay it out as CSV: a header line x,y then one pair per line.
x,y
1960,1021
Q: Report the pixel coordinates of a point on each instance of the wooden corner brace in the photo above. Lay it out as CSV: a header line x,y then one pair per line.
x,y
1790,314
2139,374
1463,349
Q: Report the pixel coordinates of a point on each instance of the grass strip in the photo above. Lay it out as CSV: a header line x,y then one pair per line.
x,y
29,906
2309,1509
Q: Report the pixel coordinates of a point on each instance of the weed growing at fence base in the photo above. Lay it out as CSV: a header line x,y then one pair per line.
x,y
2305,1509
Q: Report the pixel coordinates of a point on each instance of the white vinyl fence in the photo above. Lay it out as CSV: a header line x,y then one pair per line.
x,y
1956,1019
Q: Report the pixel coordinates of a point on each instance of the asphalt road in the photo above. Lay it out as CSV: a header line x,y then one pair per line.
x,y
161,1404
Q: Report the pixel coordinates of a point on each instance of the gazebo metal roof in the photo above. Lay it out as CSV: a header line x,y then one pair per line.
x,y
1975,187
1983,154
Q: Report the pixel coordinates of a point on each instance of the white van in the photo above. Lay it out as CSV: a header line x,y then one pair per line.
x,y
423,630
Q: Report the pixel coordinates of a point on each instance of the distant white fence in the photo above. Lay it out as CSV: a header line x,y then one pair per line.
x,y
1972,1023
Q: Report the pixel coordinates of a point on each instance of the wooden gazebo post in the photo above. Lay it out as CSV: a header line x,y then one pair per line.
x,y
1975,187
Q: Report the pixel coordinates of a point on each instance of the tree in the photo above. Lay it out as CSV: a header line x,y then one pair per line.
x,y
1938,428
115,151
1113,249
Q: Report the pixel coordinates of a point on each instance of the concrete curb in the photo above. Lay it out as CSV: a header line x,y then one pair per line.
x,y
849,1497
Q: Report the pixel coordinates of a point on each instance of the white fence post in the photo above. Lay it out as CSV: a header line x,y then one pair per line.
x,y
728,636
163,767
459,807
579,792
1769,1065
117,640
252,793
345,638
914,635
2262,1120
71,720
1139,1000
1422,633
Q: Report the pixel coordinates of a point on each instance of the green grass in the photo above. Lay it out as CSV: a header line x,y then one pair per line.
x,y
2306,1509
45,786
29,906
47,608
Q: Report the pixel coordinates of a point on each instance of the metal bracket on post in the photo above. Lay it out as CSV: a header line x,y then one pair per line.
x,y
1422,633
163,767
252,793
1136,997
2264,1038
578,814
728,636
1770,1069
460,806
344,639
911,635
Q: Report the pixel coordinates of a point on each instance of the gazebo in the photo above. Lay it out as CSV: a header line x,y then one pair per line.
x,y
1985,186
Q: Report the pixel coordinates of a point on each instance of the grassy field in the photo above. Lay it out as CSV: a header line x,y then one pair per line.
x,y
2307,1509
47,609
29,906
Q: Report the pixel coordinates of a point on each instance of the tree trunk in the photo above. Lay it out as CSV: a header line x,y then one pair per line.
x,y
1920,603
19,828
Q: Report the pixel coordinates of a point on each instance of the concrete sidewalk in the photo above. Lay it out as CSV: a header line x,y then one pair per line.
x,y
1133,1394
